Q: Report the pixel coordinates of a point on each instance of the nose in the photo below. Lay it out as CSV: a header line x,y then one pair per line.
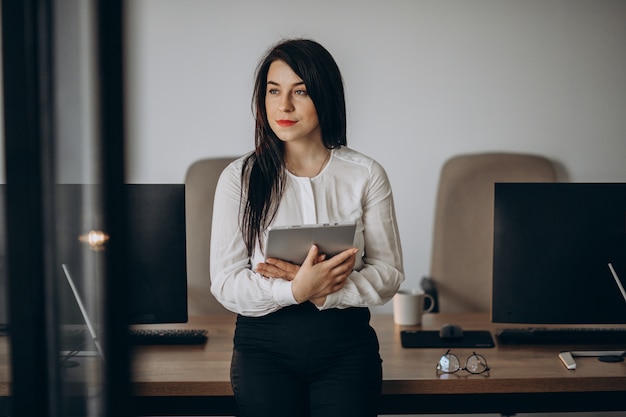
x,y
285,104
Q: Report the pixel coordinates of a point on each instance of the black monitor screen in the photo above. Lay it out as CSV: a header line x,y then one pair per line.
x,y
157,249
553,243
156,269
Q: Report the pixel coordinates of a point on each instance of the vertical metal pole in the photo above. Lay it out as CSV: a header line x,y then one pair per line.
x,y
28,128
110,45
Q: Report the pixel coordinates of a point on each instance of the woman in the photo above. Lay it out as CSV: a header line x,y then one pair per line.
x,y
303,344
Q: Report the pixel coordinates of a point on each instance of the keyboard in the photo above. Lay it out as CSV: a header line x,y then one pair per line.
x,y
168,336
80,340
562,336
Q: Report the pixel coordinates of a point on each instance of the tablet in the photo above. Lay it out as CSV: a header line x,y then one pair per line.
x,y
292,243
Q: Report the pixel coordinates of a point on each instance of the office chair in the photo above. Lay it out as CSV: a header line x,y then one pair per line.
x,y
462,251
200,182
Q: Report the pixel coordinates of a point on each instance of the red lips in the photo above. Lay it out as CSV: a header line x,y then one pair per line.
x,y
286,123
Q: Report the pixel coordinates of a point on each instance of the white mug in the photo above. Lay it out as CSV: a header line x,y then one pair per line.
x,y
408,306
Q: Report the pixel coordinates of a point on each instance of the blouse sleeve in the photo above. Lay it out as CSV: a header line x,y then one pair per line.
x,y
382,272
233,283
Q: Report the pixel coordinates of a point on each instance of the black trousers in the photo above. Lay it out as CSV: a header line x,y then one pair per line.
x,y
302,362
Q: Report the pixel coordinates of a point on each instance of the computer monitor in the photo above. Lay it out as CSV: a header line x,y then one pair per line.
x,y
553,243
157,248
156,269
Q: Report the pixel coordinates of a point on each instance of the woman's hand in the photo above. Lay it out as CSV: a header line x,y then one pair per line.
x,y
316,277
277,268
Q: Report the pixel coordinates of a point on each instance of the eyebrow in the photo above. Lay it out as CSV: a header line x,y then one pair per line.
x,y
293,85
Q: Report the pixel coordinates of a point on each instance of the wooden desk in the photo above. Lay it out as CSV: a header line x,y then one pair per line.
x,y
194,380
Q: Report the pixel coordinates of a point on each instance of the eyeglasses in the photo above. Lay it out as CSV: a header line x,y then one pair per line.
x,y
475,364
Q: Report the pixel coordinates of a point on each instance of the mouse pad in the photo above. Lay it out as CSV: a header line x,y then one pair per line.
x,y
431,339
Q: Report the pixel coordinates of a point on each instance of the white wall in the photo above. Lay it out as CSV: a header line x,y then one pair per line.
x,y
425,80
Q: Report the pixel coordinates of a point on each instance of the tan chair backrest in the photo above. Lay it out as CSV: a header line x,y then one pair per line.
x,y
462,252
200,182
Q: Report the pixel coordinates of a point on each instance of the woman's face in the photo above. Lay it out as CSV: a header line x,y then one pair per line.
x,y
290,111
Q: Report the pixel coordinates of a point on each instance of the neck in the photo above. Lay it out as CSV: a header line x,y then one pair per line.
x,y
307,164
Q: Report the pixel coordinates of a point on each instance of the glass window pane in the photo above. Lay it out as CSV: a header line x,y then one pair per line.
x,y
80,242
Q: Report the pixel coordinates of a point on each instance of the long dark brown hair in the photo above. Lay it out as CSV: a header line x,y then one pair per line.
x,y
263,175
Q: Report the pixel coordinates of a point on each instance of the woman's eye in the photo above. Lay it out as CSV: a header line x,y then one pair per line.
x,y
272,91
301,92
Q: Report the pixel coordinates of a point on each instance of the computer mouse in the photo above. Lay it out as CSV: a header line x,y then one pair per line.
x,y
451,331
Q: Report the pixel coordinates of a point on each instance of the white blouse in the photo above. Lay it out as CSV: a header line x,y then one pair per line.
x,y
351,188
